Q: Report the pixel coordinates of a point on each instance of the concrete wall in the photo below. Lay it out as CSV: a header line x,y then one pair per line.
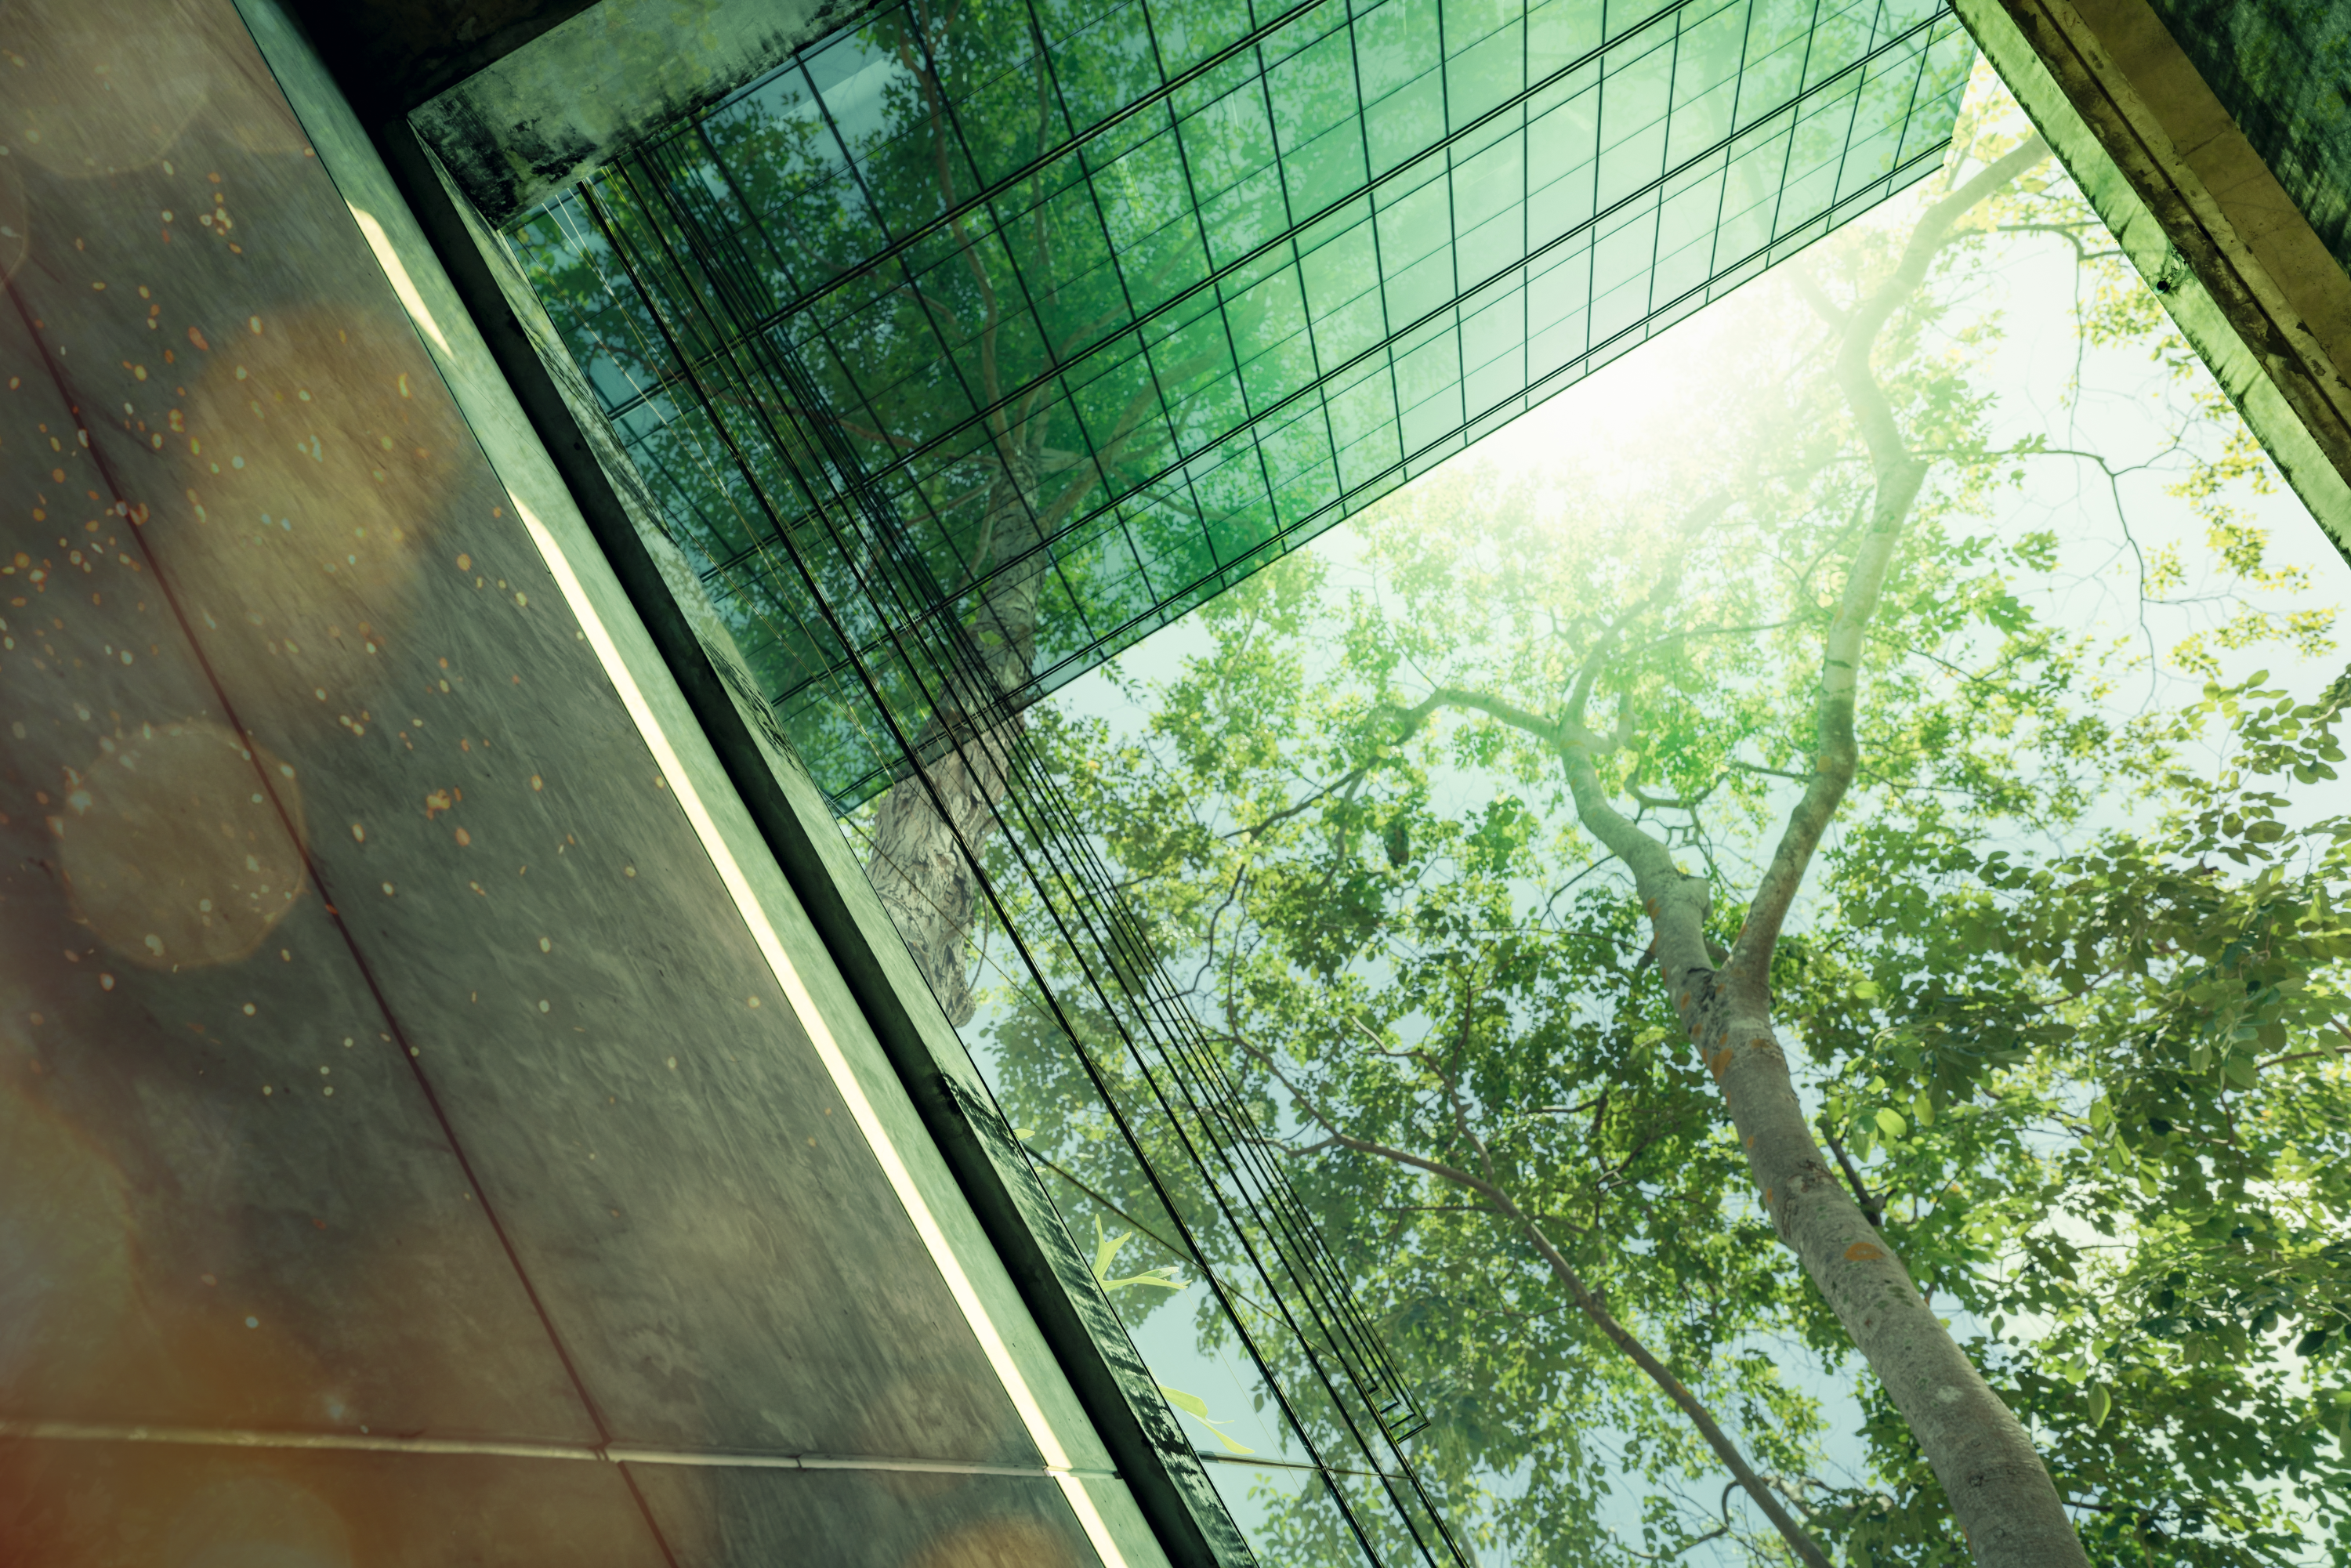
x,y
432,1127
2280,68
2249,280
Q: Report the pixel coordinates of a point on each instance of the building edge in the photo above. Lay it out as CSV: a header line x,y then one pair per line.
x,y
439,259
2266,316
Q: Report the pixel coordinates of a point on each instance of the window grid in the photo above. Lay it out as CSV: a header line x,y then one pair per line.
x,y
1217,319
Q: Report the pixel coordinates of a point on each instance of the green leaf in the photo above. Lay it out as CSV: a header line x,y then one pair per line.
x,y
1890,1123
1163,1277
2100,1402
1106,1248
1867,990
1192,1404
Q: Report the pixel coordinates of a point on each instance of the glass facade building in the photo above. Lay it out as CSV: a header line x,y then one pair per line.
x,y
955,352
461,1095
1114,307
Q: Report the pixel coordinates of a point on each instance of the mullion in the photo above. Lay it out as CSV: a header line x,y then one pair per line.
x,y
1150,370
1730,158
1788,154
946,122
1657,226
1581,228
1370,186
717,267
1072,842
1600,77
862,399
1055,365
1277,1194
1556,381
1232,352
1291,225
1526,203
1029,962
1365,355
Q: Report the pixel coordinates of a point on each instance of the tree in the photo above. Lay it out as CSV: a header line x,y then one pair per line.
x,y
2170,1151
1050,319
1448,1009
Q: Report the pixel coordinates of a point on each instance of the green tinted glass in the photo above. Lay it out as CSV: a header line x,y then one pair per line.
x,y
1105,310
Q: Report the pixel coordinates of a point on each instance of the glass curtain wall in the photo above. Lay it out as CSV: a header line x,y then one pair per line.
x,y
980,339
1114,307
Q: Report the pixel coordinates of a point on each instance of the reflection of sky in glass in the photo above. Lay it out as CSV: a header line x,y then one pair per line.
x,y
1258,1461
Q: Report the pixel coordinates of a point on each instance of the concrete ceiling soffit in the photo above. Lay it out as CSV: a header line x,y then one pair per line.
x,y
603,82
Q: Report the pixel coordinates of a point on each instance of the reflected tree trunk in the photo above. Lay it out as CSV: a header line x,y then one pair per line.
x,y
919,859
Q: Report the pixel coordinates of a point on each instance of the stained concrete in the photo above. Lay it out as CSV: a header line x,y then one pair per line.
x,y
595,87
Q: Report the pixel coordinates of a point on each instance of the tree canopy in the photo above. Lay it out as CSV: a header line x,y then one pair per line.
x,y
2063,991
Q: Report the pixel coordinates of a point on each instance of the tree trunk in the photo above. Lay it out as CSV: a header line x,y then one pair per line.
x,y
917,860
2003,1497
2000,1494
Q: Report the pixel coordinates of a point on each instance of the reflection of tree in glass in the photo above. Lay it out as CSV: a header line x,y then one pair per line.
x,y
1094,350
958,348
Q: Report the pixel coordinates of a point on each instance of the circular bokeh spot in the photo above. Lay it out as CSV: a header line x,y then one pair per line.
x,y
319,449
176,853
105,86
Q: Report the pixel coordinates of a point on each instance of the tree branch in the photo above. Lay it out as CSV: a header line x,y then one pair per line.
x,y
1586,1300
1873,1209
1901,473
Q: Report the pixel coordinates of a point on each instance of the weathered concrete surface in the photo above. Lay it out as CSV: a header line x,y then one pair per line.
x,y
1156,1461
591,89
2280,67
2145,135
399,52
384,1059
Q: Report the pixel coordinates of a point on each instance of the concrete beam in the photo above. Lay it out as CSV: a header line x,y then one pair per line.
x,y
393,55
589,90
2201,216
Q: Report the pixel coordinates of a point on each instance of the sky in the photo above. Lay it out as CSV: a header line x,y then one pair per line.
x,y
2111,401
